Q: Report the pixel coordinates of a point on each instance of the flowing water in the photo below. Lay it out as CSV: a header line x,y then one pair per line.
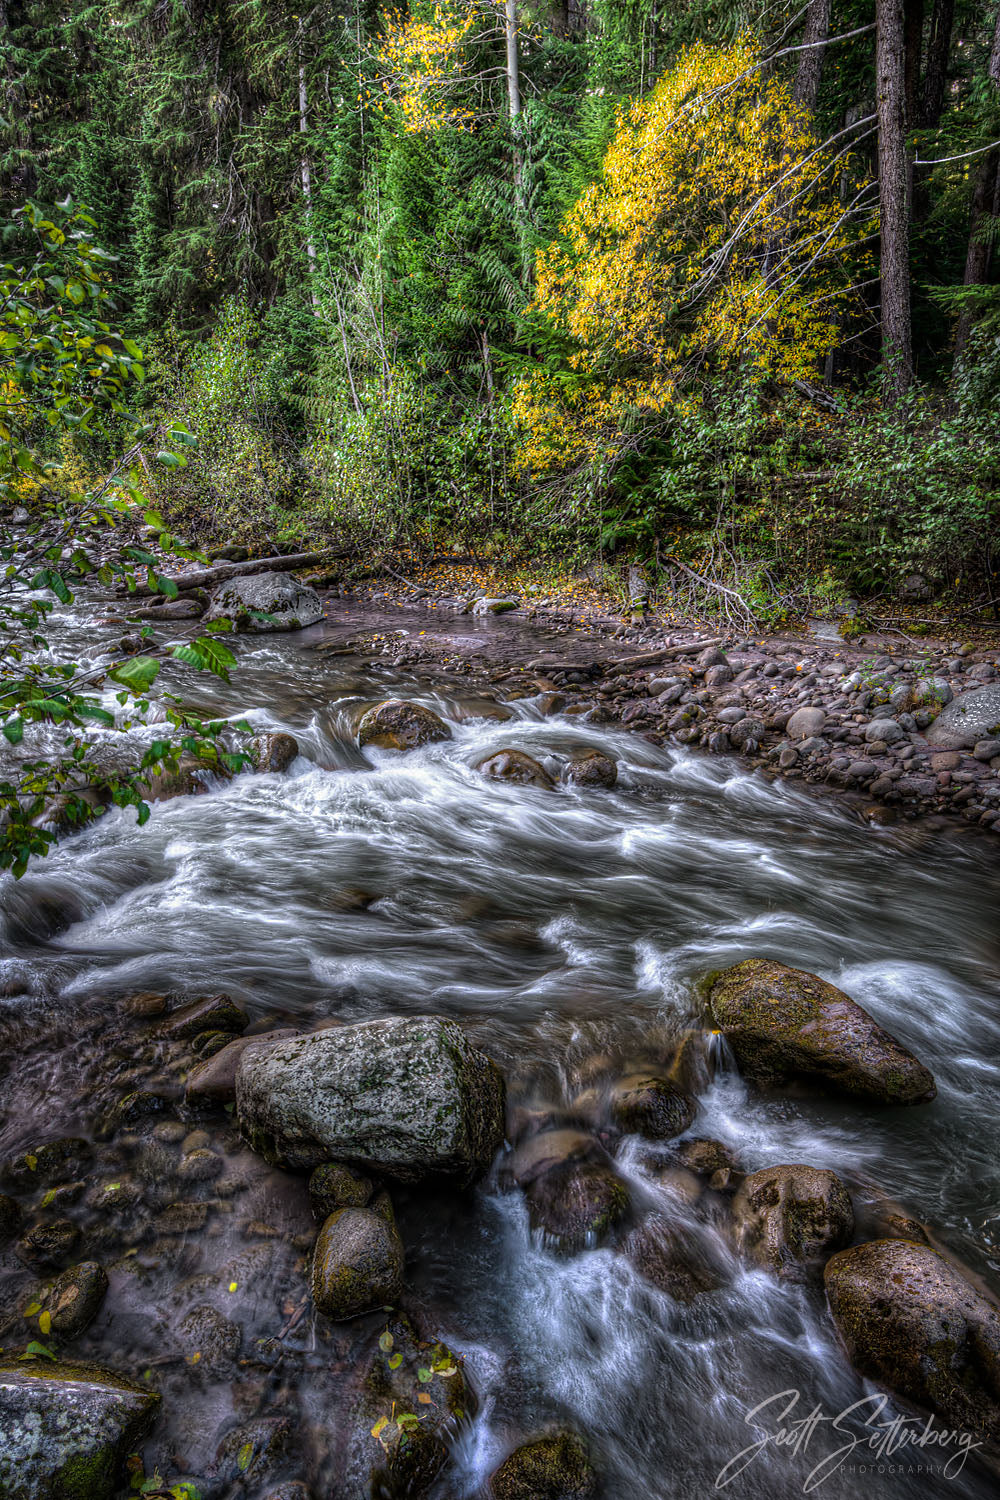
x,y
553,925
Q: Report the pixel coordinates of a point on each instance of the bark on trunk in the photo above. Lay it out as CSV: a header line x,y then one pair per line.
x,y
810,69
220,572
984,206
307,184
890,77
936,71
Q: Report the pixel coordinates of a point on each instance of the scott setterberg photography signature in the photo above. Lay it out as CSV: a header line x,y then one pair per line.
x,y
892,1437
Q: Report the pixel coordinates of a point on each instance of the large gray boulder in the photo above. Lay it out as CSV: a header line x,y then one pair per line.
x,y
968,718
911,1321
289,604
66,1429
407,1098
785,1024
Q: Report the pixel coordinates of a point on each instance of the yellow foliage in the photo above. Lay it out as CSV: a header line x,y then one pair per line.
x,y
721,233
421,60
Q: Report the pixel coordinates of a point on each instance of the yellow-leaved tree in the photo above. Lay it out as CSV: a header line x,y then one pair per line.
x,y
722,233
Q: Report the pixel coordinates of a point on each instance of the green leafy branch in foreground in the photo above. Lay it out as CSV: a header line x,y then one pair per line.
x,y
65,370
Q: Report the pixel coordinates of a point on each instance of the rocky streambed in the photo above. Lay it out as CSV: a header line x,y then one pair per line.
x,y
479,1099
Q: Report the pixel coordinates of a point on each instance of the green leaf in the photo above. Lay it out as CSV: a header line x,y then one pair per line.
x,y
13,731
137,674
169,460
167,586
34,1350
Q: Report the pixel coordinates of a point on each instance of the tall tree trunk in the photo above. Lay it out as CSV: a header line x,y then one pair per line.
x,y
513,65
810,70
890,81
936,71
307,183
984,206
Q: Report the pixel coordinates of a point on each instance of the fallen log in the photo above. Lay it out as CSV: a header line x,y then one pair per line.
x,y
666,653
202,578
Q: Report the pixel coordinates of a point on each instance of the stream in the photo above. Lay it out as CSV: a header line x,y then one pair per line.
x,y
554,926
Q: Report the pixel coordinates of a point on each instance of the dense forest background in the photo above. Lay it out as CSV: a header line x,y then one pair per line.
x,y
709,282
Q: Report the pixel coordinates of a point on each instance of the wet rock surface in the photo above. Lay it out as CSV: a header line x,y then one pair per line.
x,y
791,1219
556,1466
399,724
67,1429
406,1098
265,602
784,1023
357,1263
911,1321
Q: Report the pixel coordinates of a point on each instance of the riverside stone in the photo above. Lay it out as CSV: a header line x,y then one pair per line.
x,y
972,716
264,602
73,1299
785,1023
66,1429
913,1322
805,722
406,1097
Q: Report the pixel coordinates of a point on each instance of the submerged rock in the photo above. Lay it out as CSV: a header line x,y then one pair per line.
x,y
265,602
791,1219
912,1322
396,1431
399,724
273,751
72,1300
406,1098
785,1023
517,766
554,1467
649,1105
66,1429
658,1252
214,1081
594,769
213,1013
357,1263
10,1218
577,1204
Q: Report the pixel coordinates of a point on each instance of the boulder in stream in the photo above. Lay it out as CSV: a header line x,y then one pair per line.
x,y
785,1023
652,1106
265,602
791,1219
407,1098
555,1466
516,766
399,724
72,1300
576,1205
592,769
911,1321
357,1263
66,1429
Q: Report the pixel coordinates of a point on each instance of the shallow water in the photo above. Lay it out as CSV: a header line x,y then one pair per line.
x,y
554,925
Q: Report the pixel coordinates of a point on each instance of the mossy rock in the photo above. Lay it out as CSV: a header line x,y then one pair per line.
x,y
652,1106
516,766
578,1204
791,1219
399,724
334,1185
911,1321
357,1263
66,1429
784,1024
554,1467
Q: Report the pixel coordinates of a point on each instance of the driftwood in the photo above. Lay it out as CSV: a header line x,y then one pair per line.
x,y
666,653
220,572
